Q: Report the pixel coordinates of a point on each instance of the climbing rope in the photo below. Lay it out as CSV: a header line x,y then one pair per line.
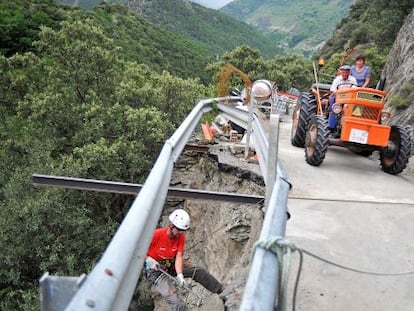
x,y
283,249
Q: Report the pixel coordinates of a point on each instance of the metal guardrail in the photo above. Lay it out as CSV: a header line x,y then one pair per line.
x,y
112,282
261,142
241,117
262,287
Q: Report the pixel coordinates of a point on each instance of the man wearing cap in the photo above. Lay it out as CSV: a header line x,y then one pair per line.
x,y
166,253
343,80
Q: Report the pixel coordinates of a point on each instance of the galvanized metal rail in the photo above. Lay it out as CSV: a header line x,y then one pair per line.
x,y
261,290
111,283
260,141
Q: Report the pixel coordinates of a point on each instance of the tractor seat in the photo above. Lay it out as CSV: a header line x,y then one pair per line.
x,y
322,86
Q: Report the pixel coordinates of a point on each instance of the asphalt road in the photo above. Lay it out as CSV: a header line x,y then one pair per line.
x,y
349,211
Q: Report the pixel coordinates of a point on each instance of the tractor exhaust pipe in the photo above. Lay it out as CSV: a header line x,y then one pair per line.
x,y
336,142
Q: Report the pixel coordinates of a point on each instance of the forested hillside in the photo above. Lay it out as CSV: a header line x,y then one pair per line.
x,y
88,4
136,39
370,29
370,24
79,102
295,24
215,32
207,29
215,4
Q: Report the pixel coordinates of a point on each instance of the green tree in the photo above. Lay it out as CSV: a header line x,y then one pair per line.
x,y
21,21
290,71
244,58
176,96
19,74
75,107
286,70
370,24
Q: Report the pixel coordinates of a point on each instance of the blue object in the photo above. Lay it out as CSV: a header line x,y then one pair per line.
x,y
332,117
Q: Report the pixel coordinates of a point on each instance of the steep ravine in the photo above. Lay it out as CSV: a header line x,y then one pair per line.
x,y
221,235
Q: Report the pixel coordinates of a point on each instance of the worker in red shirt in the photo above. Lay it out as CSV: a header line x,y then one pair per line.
x,y
166,253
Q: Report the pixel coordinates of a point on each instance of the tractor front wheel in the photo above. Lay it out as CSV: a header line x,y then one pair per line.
x,y
394,157
304,109
316,142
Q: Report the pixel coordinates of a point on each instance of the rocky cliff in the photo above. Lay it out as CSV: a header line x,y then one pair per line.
x,y
400,76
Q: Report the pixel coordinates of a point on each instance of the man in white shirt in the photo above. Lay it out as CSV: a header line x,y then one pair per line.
x,y
343,80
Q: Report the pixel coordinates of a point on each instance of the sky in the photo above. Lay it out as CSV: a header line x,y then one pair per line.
x,y
214,4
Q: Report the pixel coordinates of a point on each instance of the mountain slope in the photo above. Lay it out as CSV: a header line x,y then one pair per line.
x,y
300,24
371,23
214,31
154,46
138,39
88,4
213,4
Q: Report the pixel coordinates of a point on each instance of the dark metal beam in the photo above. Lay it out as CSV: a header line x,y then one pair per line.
x,y
196,148
134,189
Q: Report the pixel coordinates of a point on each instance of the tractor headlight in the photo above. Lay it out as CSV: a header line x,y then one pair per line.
x,y
385,116
337,108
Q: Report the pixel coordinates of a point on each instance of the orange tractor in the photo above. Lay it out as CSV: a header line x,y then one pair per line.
x,y
361,126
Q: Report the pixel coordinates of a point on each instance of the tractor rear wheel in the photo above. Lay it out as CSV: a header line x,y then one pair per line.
x,y
316,142
394,157
305,108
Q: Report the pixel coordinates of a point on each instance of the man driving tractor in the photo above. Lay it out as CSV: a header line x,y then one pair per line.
x,y
343,80
363,126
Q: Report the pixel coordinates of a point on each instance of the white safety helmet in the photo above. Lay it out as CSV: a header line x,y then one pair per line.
x,y
180,219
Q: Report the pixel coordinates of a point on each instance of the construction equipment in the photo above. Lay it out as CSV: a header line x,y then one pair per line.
x,y
361,126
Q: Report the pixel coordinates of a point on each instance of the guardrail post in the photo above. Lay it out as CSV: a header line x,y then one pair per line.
x,y
262,288
249,126
272,156
57,291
